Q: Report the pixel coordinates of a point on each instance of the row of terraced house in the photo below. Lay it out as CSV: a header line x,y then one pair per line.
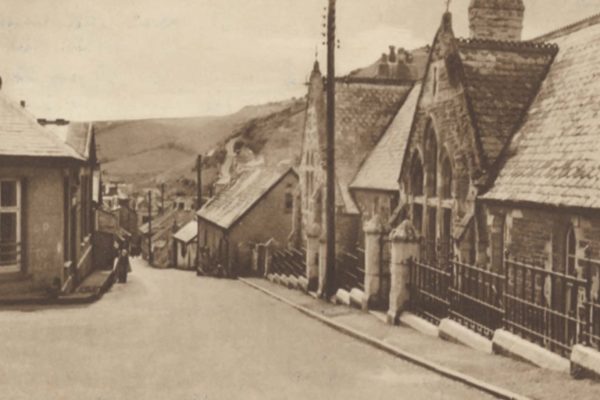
x,y
467,188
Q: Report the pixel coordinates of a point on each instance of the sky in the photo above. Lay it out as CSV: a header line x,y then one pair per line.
x,y
125,59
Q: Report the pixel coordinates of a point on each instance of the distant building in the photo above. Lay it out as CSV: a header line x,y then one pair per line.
x,y
46,203
186,246
255,208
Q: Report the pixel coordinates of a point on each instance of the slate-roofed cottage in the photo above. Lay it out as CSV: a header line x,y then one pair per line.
x,y
46,203
186,245
255,208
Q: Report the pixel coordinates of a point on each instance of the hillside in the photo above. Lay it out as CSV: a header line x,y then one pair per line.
x,y
140,150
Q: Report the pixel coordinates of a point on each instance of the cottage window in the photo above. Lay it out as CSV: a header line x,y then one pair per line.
x,y
10,226
289,203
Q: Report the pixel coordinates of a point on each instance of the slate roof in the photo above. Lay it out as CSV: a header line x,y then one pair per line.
x,y
187,233
363,113
555,157
501,80
234,201
21,135
381,168
78,135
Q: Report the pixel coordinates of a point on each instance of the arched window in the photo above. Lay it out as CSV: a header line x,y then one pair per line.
x,y
431,159
571,251
446,177
416,176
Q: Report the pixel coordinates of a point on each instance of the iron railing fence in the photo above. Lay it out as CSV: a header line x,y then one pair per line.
x,y
544,307
429,291
476,298
592,274
289,262
350,272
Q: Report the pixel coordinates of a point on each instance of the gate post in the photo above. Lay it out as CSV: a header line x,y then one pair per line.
x,y
312,254
405,248
322,265
373,231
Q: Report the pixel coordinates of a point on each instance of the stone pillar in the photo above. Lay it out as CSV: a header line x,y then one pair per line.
x,y
373,232
405,246
312,254
322,265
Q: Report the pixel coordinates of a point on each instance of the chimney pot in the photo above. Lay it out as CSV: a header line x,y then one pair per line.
x,y
392,54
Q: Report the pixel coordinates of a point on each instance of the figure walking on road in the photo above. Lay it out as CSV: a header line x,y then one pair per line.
x,y
123,266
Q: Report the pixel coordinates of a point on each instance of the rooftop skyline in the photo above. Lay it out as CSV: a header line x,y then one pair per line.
x,y
86,60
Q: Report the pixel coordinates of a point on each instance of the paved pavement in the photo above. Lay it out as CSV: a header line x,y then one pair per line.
x,y
518,377
171,335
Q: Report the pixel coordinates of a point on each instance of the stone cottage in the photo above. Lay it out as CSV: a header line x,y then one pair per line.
x,y
46,204
256,207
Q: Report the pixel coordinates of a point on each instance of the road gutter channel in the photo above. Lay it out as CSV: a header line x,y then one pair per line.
x,y
437,368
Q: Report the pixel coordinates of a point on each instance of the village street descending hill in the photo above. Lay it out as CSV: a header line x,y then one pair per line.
x,y
172,335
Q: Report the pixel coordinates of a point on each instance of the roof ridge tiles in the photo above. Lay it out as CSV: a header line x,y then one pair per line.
x,y
506,45
594,19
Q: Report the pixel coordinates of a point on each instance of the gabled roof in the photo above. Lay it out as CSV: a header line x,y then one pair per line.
x,y
381,168
555,157
187,233
363,113
78,135
234,201
22,136
501,79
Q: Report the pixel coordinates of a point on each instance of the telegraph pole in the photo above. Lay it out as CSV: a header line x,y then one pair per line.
x,y
330,281
150,257
199,182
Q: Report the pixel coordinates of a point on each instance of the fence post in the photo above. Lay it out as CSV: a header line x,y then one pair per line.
x,y
373,231
405,248
312,254
322,265
268,251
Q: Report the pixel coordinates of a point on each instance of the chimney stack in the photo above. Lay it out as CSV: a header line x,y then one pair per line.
x,y
496,19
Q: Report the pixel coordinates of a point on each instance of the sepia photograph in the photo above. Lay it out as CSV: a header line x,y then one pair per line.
x,y
299,199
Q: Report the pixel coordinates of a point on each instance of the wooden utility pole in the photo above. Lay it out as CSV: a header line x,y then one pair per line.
x,y
199,182
330,282
150,257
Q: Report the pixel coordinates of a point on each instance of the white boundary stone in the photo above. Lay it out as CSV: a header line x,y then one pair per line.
x,y
586,357
453,331
357,297
303,284
342,297
521,348
419,324
292,282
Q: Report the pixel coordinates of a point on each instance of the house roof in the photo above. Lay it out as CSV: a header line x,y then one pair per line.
x,y
78,135
554,159
363,113
21,135
234,201
187,233
381,167
501,80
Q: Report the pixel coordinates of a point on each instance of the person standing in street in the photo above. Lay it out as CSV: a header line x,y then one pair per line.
x,y
123,266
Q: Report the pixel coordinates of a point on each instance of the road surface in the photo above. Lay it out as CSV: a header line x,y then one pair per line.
x,y
170,335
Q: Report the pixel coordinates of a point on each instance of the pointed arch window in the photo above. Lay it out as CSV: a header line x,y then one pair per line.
x,y
571,251
416,176
431,161
446,175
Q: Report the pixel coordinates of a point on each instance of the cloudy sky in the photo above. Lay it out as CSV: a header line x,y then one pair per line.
x,y
107,59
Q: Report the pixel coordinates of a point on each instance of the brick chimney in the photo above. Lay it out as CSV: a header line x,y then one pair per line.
x,y
496,19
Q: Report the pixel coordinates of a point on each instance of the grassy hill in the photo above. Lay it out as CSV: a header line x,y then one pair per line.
x,y
140,151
